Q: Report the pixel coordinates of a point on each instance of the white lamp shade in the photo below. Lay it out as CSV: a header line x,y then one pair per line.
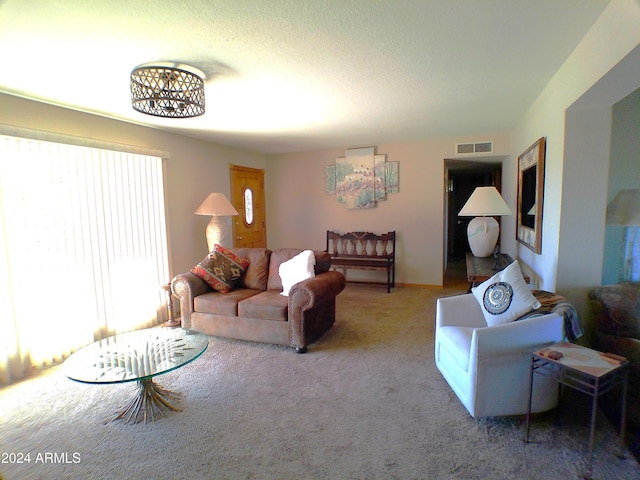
x,y
624,209
216,204
485,202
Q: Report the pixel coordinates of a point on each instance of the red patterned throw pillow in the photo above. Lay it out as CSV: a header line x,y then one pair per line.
x,y
222,269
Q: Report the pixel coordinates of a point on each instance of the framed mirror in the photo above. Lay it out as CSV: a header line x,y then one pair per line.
x,y
531,196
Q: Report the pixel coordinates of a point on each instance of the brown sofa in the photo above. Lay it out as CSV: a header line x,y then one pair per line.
x,y
255,310
616,316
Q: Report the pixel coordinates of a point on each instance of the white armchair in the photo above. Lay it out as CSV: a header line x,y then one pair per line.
x,y
488,367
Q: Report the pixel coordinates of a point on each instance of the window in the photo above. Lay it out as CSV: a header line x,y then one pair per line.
x,y
82,245
248,206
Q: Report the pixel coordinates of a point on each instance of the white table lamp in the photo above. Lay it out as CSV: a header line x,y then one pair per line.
x,y
217,205
483,231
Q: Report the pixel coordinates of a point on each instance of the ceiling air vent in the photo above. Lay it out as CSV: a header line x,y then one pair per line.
x,y
478,147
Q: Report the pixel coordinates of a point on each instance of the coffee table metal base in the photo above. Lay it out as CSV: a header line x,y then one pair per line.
x,y
151,397
138,356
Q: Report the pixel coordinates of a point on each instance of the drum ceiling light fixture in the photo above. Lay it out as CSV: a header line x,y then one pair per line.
x,y
167,91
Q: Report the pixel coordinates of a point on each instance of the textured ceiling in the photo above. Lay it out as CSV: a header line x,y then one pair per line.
x,y
295,75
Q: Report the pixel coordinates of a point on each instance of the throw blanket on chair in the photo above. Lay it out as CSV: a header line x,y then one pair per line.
x,y
554,303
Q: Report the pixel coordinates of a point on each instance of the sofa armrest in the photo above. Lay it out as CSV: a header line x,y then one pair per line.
x,y
459,311
312,307
314,291
187,286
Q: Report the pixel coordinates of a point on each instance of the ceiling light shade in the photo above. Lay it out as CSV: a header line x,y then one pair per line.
x,y
167,92
483,231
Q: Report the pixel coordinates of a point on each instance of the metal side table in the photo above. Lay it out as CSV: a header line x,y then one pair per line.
x,y
588,371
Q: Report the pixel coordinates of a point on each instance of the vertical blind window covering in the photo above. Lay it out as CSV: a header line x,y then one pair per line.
x,y
83,248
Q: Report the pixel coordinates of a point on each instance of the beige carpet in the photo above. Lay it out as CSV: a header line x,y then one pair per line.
x,y
366,402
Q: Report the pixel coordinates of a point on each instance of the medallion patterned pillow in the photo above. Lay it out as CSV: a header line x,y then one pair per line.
x,y
505,296
222,269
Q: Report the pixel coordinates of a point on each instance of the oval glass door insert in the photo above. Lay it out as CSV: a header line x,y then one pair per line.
x,y
248,206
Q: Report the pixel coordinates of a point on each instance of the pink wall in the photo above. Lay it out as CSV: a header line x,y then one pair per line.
x,y
300,212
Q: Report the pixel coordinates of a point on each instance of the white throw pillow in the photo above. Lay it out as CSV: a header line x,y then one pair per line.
x,y
297,269
505,296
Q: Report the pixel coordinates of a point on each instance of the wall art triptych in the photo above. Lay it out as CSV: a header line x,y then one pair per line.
x,y
361,178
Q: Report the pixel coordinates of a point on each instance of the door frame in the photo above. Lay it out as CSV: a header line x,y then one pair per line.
x,y
260,204
462,165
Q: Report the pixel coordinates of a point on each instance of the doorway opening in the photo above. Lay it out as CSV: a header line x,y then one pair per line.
x,y
462,177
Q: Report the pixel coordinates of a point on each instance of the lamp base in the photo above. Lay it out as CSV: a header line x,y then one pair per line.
x,y
482,234
218,233
171,323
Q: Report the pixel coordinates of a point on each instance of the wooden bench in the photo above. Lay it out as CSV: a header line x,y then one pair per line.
x,y
364,251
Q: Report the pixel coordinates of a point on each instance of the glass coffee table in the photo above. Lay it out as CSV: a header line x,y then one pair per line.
x,y
138,356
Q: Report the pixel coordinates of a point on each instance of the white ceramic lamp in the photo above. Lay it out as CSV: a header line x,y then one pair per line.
x,y
217,205
483,231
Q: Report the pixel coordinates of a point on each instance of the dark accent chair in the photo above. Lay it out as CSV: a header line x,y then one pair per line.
x,y
616,329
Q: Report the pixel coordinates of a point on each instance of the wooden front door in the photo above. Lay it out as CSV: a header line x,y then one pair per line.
x,y
247,196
